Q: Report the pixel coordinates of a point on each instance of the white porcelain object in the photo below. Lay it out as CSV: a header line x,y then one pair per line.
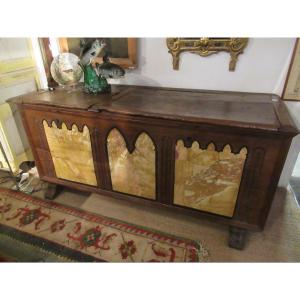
x,y
65,69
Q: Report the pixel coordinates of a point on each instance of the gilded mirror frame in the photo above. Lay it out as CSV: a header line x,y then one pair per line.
x,y
205,47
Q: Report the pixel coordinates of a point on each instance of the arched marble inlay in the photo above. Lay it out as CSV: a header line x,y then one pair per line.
x,y
132,173
206,179
71,153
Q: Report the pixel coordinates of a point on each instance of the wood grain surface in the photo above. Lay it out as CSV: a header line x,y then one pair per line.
x,y
259,123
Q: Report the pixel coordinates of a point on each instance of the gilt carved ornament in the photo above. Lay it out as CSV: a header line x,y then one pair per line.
x,y
205,47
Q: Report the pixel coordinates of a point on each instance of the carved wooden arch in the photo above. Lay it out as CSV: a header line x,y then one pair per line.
x,y
68,124
219,146
132,172
130,139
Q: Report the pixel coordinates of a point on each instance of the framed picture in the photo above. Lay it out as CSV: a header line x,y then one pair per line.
x,y
291,89
121,51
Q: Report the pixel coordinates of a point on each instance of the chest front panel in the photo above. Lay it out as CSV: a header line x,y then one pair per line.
x,y
71,153
206,179
195,167
132,173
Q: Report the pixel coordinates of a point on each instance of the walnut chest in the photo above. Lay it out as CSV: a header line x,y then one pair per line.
x,y
214,154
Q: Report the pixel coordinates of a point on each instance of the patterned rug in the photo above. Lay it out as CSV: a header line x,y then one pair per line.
x,y
75,235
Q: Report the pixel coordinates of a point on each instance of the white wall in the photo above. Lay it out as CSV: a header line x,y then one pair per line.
x,y
39,63
294,109
260,68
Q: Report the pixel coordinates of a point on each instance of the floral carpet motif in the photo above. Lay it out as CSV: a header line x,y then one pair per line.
x,y
83,236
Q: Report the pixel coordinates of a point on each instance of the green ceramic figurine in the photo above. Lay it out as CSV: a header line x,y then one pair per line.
x,y
94,84
95,78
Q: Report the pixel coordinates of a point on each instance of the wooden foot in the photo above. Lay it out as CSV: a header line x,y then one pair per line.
x,y
237,237
52,191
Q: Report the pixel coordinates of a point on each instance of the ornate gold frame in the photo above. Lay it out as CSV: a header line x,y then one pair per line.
x,y
205,47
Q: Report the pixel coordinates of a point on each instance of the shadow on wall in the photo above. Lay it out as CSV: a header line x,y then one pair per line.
x,y
259,68
135,78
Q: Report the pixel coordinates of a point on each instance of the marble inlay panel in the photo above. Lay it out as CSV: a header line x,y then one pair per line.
x,y
132,173
206,179
71,153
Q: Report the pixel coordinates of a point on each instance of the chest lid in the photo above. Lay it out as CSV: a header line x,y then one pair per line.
x,y
244,110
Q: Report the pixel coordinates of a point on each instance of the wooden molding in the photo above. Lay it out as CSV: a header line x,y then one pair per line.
x,y
289,72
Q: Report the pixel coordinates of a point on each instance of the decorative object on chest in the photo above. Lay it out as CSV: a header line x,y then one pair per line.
x,y
67,68
209,154
95,75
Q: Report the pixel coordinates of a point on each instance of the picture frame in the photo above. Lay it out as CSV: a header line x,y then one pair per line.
x,y
291,90
126,56
205,47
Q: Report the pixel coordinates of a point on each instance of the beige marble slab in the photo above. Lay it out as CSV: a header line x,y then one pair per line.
x,y
206,179
132,173
71,153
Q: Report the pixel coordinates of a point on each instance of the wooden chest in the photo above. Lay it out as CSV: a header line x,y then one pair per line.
x,y
214,154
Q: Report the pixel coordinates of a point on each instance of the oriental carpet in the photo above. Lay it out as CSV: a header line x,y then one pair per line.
x,y
75,235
